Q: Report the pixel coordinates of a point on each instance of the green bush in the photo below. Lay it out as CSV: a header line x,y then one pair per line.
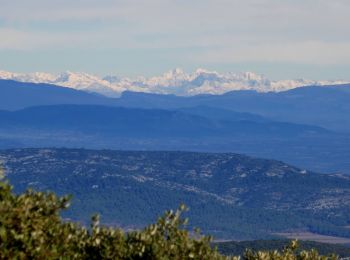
x,y
31,228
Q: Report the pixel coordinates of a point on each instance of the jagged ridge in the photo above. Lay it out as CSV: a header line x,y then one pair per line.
x,y
175,82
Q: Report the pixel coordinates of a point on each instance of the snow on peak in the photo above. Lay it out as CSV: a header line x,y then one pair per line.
x,y
175,81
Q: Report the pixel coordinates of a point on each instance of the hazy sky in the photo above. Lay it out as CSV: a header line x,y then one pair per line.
x,y
279,38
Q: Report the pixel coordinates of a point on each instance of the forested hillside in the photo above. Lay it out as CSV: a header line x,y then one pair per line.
x,y
229,195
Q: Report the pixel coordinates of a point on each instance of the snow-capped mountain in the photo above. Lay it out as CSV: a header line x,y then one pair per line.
x,y
175,82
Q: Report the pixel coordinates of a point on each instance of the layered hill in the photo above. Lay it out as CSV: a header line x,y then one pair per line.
x,y
288,126
326,106
229,195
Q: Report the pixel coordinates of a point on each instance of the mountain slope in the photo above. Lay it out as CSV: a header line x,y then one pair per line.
x,y
230,195
222,114
16,95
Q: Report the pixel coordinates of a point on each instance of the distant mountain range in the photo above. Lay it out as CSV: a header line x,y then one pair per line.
x,y
175,82
326,106
229,195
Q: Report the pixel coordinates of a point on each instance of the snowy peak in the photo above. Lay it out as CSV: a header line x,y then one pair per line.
x,y
79,80
37,77
175,81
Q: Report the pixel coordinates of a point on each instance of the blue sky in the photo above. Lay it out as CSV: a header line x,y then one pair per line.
x,y
278,38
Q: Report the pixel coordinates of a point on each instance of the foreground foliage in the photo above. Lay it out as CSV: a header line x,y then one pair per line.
x,y
31,228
